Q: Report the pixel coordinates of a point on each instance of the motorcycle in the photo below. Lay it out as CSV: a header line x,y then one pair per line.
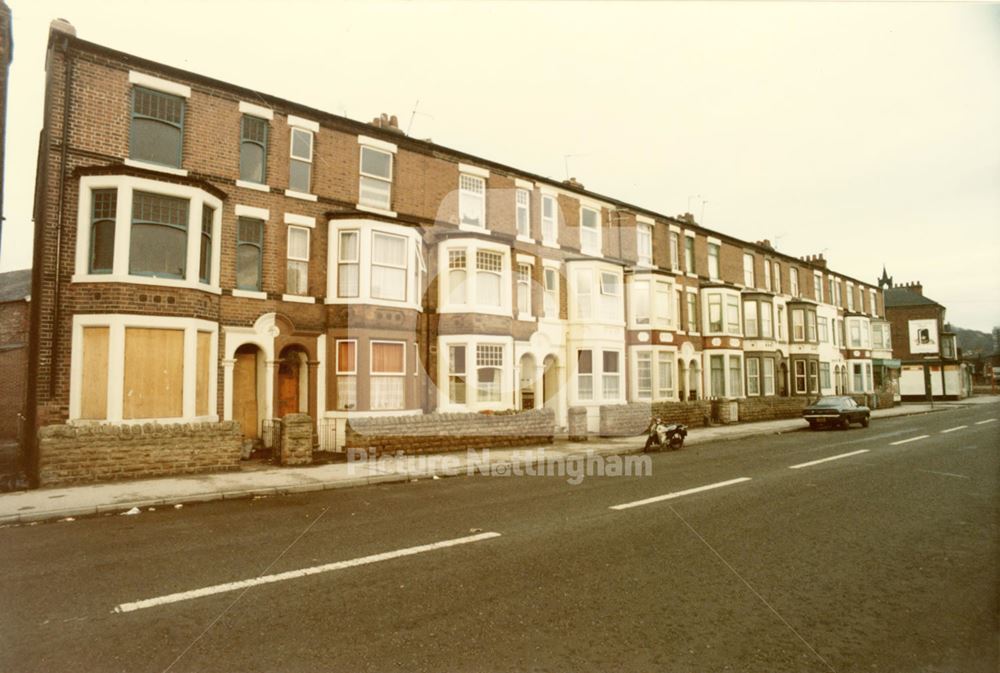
x,y
663,435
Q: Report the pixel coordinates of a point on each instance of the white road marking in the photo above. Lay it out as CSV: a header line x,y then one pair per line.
x,y
295,574
824,460
906,441
960,427
988,420
945,474
678,494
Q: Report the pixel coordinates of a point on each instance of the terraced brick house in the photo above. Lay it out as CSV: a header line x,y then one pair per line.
x,y
209,253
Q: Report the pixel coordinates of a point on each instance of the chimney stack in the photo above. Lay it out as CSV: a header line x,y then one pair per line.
x,y
573,182
389,123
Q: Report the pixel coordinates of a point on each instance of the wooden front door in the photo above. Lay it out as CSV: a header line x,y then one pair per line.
x,y
288,388
245,393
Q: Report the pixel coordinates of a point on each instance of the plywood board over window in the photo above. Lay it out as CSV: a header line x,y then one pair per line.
x,y
154,373
201,376
94,403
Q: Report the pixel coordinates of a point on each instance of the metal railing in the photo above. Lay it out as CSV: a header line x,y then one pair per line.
x,y
270,434
327,437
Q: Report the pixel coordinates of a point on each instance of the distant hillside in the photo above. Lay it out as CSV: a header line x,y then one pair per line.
x,y
973,342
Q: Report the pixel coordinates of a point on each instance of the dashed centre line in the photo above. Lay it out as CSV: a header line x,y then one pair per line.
x,y
907,441
824,460
988,420
678,494
959,427
295,574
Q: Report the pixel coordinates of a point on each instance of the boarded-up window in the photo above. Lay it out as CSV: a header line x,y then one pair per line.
x,y
202,375
94,398
154,373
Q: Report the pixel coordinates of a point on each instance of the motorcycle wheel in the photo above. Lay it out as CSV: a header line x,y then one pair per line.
x,y
676,442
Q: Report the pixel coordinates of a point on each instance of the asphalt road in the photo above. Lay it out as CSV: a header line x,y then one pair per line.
x,y
885,559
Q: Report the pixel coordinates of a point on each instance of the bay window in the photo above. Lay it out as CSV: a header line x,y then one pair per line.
x,y
102,230
735,376
753,376
456,276
750,318
765,320
611,295
584,294
813,377
715,313
665,375
717,376
654,374
732,314
205,251
640,302
768,376
388,375
644,375
800,377
388,280
859,378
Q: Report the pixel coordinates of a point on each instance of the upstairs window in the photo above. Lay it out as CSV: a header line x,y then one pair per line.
x,y
818,286
850,297
644,243
713,261
300,162
472,201
375,188
590,230
715,313
765,320
205,253
249,253
159,235
640,301
793,282
732,314
689,254
872,302
388,267
767,275
253,149
675,244
551,307
798,325
611,294
692,312
748,279
489,272
157,134
750,318
347,264
523,205
777,277
102,230
297,280
584,294
549,219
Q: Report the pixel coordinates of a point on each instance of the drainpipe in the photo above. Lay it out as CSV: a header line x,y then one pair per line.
x,y
63,151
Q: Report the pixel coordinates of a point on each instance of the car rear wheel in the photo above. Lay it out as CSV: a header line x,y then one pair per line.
x,y
845,423
865,421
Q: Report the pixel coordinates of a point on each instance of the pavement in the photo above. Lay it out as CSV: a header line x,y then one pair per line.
x,y
119,497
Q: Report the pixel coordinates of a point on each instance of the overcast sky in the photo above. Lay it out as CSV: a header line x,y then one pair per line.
x,y
868,132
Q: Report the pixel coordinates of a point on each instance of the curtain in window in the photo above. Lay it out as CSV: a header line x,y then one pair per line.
x,y
388,267
387,389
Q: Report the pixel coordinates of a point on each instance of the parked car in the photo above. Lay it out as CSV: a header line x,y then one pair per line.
x,y
838,410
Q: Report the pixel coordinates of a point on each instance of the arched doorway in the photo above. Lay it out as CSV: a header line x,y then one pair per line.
x,y
526,382
248,379
293,381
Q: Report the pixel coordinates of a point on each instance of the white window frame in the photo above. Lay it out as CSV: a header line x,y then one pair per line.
x,y
818,286
339,372
593,246
126,186
714,261
365,229
405,266
522,214
644,243
293,129
550,225
468,198
471,342
290,258
551,297
372,374
525,284
386,207
767,275
472,246
675,250
355,263
748,270
753,376
793,281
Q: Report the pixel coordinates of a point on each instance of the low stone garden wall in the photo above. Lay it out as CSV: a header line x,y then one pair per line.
x,y
628,420
429,433
771,408
71,454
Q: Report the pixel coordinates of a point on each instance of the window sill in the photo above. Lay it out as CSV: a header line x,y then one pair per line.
x,y
525,239
377,211
470,227
550,244
526,318
645,266
691,275
249,294
256,186
367,301
474,308
155,167
298,298
591,252
143,280
301,195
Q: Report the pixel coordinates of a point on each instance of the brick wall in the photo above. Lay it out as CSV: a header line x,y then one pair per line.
x,y
13,364
429,433
92,453
627,420
771,408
